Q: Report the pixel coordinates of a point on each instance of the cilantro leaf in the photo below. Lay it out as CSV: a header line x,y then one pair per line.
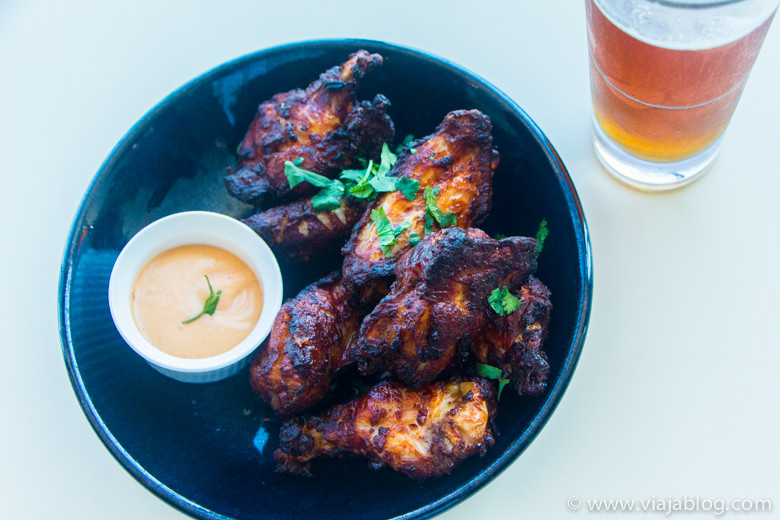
x,y
387,160
362,189
386,232
382,183
407,186
408,139
488,371
504,302
541,235
492,372
360,184
210,305
329,197
352,176
428,223
296,175
432,209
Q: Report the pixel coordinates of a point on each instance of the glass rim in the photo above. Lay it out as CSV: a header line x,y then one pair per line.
x,y
697,4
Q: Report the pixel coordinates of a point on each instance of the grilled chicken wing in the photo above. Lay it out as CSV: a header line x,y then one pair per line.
x,y
294,370
422,433
458,160
438,304
513,342
323,124
295,231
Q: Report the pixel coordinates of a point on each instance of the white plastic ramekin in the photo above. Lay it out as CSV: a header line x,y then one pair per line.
x,y
194,227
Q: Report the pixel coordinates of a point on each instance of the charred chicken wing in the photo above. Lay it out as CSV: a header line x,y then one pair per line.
x,y
456,165
296,232
422,433
324,125
294,370
513,342
437,305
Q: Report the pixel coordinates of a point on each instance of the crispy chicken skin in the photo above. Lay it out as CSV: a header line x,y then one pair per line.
x,y
324,124
438,304
296,232
514,342
294,369
459,160
422,433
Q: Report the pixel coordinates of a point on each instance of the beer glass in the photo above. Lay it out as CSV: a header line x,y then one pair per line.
x,y
665,80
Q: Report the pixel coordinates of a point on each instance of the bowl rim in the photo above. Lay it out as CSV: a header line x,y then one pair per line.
x,y
554,395
193,228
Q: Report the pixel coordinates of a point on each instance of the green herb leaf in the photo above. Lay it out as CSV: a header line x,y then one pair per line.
x,y
504,302
408,139
499,236
387,160
210,305
541,235
488,371
352,175
386,232
409,187
360,184
432,209
414,238
382,183
296,175
492,372
329,197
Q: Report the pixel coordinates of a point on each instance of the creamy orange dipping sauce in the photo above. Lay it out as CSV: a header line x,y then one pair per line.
x,y
172,288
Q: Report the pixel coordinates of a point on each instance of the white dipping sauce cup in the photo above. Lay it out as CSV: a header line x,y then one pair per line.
x,y
187,228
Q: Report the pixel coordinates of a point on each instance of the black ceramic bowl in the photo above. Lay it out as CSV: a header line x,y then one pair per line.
x,y
207,449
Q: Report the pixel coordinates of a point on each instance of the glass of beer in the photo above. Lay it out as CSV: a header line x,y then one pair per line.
x,y
665,80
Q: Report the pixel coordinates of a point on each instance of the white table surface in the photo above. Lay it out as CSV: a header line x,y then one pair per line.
x,y
677,391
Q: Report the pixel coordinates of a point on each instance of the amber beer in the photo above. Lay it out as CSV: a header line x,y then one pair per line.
x,y
662,103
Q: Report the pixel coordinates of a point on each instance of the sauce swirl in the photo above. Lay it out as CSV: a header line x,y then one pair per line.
x,y
172,288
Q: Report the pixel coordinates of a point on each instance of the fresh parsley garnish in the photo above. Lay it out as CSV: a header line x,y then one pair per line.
x,y
329,197
504,302
499,236
541,235
492,372
386,232
296,175
360,184
210,304
433,212
407,140
409,187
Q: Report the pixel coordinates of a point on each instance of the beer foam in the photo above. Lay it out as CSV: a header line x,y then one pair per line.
x,y
687,25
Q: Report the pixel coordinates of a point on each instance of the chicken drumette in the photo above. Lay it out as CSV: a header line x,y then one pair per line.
x,y
456,163
422,433
513,342
294,370
296,231
438,304
324,125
